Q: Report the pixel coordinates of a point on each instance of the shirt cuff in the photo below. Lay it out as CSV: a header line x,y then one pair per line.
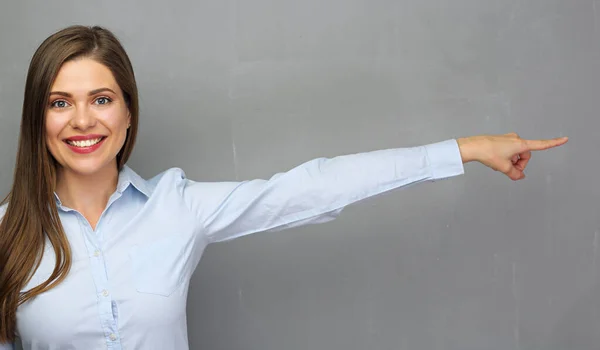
x,y
445,159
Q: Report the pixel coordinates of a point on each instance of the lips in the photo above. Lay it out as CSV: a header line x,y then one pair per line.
x,y
85,143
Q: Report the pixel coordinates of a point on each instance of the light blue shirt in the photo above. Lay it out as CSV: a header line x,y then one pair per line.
x,y
128,285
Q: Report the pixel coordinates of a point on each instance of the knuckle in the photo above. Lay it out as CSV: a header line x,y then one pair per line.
x,y
522,144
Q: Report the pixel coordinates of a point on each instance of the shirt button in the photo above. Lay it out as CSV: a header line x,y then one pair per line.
x,y
113,337
105,293
97,253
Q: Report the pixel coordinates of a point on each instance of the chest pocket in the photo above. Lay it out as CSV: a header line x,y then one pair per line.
x,y
159,267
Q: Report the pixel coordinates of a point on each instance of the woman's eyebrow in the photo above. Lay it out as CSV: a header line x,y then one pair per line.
x,y
93,92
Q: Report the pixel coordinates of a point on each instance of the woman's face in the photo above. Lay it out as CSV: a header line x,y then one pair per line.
x,y
86,117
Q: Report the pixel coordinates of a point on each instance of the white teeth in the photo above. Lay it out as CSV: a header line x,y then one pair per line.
x,y
86,143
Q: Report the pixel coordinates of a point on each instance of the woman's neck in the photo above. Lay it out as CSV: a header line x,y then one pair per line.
x,y
88,194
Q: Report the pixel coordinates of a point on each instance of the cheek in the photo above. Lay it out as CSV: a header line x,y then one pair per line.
x,y
53,129
115,121
54,126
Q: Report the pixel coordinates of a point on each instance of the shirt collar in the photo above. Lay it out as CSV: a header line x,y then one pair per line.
x,y
127,177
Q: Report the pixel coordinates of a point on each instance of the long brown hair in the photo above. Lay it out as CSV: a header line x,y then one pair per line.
x,y
31,216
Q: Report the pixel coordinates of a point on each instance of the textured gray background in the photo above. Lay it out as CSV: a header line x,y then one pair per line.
x,y
242,89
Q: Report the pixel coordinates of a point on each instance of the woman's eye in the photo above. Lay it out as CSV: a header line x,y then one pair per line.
x,y
59,104
103,100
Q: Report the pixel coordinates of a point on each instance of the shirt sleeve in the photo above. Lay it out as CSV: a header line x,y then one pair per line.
x,y
316,191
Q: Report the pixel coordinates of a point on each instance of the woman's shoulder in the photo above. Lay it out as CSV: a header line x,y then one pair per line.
x,y
170,179
167,176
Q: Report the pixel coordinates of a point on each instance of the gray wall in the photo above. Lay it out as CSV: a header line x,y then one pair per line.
x,y
243,89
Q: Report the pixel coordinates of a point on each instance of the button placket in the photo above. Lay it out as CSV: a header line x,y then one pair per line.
x,y
100,277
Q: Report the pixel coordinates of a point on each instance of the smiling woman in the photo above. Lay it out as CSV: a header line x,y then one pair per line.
x,y
80,89
93,256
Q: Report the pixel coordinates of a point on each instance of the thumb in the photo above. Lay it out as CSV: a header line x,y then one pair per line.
x,y
515,174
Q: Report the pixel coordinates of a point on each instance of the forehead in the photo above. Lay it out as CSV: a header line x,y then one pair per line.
x,y
83,75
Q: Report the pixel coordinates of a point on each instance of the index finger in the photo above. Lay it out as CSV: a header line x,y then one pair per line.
x,y
539,145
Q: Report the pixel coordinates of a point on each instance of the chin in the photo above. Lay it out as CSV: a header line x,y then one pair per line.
x,y
90,167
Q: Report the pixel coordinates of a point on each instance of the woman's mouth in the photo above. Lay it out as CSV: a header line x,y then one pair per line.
x,y
85,144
